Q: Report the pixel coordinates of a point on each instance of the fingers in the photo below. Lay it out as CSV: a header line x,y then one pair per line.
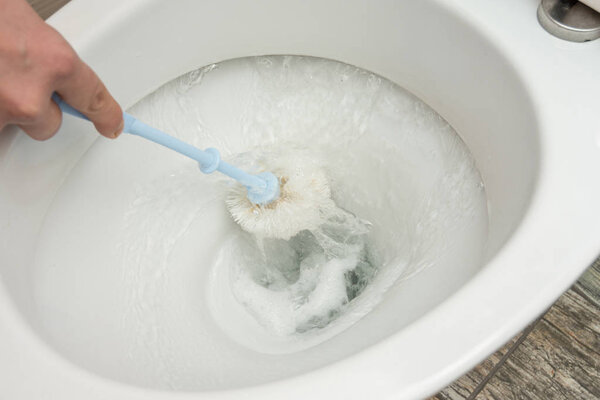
x,y
43,123
35,61
83,90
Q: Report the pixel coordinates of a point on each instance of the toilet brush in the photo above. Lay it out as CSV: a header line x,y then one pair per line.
x,y
265,204
261,189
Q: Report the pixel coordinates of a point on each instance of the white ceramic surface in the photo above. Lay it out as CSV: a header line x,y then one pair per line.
x,y
595,4
524,102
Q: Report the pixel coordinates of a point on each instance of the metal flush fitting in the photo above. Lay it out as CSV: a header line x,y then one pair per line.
x,y
569,20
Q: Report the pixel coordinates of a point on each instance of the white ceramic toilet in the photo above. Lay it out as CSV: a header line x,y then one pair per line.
x,y
525,104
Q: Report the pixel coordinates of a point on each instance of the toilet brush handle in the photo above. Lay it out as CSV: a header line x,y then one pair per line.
x,y
66,108
209,159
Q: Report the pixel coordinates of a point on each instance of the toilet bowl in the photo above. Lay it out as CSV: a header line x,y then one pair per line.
x,y
524,103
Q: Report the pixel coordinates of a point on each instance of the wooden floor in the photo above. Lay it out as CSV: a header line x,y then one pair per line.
x,y
556,357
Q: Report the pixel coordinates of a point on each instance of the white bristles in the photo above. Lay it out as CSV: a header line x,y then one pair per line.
x,y
304,197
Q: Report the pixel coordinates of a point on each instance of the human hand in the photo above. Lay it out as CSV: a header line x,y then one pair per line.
x,y
35,61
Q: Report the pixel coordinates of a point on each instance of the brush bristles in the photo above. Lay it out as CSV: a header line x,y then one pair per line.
x,y
304,195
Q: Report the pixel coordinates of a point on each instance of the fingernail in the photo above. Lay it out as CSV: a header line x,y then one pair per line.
x,y
119,130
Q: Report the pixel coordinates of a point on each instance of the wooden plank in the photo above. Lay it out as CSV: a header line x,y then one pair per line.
x,y
46,8
578,319
559,359
589,284
550,364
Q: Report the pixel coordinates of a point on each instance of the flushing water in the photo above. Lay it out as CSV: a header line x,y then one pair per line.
x,y
184,298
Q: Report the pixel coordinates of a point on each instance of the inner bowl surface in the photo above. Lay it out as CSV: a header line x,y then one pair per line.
x,y
450,65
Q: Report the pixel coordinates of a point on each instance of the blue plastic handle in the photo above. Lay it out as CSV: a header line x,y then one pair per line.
x,y
262,188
